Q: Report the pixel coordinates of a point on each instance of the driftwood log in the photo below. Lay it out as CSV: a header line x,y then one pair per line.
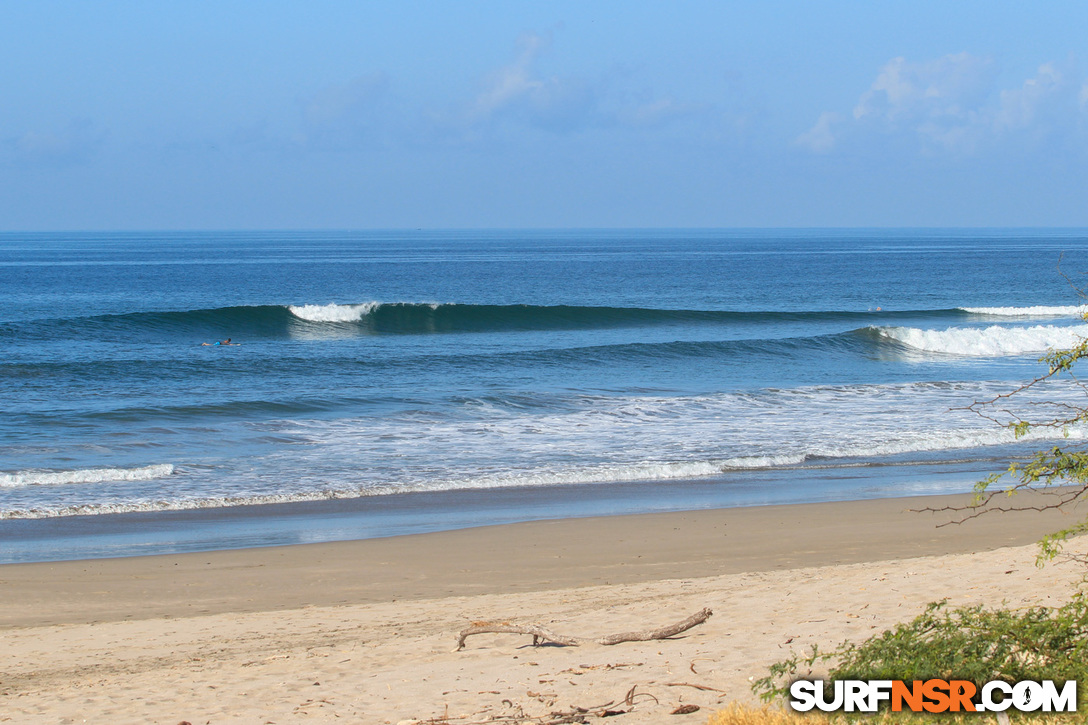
x,y
542,634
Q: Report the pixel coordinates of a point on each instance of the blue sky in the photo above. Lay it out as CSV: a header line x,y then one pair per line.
x,y
293,115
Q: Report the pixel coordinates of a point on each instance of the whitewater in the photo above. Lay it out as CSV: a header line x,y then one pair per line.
x,y
393,382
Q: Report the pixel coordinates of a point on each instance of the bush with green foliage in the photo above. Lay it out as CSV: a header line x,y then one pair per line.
x,y
965,643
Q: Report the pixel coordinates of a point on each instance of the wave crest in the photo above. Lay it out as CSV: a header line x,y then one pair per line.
x,y
333,312
1034,311
994,341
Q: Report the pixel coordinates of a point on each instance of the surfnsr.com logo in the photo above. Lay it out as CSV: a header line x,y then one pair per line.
x,y
933,696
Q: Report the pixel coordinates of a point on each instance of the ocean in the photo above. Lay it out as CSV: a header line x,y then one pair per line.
x,y
395,382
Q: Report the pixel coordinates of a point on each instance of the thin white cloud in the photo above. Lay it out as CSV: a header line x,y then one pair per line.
x,y
946,87
515,81
517,90
658,112
519,93
1020,107
950,105
820,138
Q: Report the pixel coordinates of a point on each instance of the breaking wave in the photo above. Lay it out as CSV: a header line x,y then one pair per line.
x,y
333,313
991,341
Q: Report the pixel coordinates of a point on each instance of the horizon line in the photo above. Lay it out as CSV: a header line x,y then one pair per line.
x,y
295,230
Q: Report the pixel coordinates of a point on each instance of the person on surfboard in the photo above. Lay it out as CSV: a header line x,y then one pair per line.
x,y
218,342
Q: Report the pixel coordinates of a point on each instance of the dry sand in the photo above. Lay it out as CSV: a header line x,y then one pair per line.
x,y
364,631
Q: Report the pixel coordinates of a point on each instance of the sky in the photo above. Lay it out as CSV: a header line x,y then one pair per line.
x,y
374,115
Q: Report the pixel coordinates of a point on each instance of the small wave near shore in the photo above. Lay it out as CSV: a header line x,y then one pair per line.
x,y
85,475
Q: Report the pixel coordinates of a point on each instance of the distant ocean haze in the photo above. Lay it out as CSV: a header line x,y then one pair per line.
x,y
420,363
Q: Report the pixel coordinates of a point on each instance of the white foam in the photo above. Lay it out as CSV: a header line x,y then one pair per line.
x,y
650,471
994,341
1034,311
333,312
742,462
831,452
577,439
85,475
182,504
947,440
595,439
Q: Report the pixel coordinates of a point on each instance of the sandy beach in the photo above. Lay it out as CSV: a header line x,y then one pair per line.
x,y
364,631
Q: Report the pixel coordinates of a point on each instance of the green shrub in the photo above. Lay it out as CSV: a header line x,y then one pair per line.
x,y
965,643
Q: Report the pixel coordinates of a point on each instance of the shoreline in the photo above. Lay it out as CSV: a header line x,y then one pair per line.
x,y
201,529
522,557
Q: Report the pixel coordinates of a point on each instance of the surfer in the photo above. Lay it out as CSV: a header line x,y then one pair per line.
x,y
219,342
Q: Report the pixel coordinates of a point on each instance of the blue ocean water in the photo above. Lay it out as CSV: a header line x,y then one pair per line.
x,y
409,381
